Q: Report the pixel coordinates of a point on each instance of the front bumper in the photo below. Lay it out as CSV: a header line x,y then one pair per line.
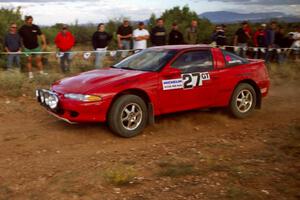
x,y
73,111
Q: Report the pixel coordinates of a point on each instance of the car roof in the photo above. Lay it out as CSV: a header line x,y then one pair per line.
x,y
182,47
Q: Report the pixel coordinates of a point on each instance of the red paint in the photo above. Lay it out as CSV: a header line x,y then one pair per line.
x,y
108,83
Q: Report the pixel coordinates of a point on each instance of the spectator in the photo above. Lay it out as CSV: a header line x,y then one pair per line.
x,y
241,39
64,41
270,39
12,44
29,34
219,36
158,33
175,36
124,35
296,44
259,40
140,37
279,42
191,33
100,42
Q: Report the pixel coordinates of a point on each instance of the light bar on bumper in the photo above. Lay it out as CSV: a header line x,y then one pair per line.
x,y
47,98
83,97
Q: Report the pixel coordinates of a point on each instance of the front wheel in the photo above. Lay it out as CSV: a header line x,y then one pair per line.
x,y
243,100
128,116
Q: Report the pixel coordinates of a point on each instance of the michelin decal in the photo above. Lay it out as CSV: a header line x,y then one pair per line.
x,y
187,81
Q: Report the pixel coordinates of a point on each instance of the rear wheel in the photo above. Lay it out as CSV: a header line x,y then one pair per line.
x,y
243,100
128,116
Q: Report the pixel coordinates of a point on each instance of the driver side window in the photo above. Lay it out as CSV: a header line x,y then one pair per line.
x,y
194,61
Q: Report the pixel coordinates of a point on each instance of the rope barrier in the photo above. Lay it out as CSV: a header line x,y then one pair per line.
x,y
114,52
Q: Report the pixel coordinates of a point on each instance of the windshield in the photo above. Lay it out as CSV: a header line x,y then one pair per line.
x,y
147,60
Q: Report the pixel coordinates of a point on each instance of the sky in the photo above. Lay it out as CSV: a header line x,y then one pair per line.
x,y
49,12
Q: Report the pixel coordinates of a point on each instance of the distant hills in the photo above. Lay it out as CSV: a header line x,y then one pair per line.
x,y
233,17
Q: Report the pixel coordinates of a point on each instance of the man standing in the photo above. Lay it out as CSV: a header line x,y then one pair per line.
x,y
140,37
64,41
29,34
158,33
100,42
191,33
12,44
219,36
259,40
124,35
241,38
270,39
175,36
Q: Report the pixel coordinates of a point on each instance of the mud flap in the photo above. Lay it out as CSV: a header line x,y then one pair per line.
x,y
151,118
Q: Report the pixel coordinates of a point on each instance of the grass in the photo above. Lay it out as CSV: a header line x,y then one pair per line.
x,y
11,83
120,175
238,192
14,83
176,168
5,192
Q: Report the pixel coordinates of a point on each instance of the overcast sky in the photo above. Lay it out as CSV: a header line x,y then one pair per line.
x,y
49,12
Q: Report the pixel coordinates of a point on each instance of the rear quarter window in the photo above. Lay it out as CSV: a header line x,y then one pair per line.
x,y
232,59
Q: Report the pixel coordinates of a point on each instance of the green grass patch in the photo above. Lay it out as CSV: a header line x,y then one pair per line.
x,y
120,175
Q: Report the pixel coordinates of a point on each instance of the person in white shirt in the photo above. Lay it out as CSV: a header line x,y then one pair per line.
x,y
140,37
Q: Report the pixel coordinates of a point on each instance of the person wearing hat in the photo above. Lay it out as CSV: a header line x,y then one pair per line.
x,y
140,37
64,41
175,36
124,35
259,40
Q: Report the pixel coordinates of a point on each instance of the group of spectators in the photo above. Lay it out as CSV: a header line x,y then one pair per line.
x,y
28,36
268,40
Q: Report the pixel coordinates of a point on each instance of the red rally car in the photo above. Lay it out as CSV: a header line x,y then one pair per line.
x,y
157,81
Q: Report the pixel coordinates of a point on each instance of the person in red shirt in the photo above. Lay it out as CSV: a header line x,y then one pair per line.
x,y
259,40
64,41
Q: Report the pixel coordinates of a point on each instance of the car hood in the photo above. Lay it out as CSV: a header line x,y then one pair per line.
x,y
87,81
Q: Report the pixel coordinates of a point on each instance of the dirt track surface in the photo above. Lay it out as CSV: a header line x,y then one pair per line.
x,y
190,155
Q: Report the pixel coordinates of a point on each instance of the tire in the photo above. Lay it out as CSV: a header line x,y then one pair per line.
x,y
128,116
243,101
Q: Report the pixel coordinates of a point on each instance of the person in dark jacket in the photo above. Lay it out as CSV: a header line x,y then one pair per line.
x,y
270,39
124,36
219,35
241,38
12,44
64,41
279,43
175,36
158,33
100,42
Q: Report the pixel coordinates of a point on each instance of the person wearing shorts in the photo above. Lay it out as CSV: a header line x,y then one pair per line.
x,y
30,34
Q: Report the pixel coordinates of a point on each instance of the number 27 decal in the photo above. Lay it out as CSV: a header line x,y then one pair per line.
x,y
194,79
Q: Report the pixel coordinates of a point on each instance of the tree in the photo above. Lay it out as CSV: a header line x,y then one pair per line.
x,y
183,17
152,21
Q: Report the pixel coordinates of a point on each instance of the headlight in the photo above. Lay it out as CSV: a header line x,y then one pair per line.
x,y
82,97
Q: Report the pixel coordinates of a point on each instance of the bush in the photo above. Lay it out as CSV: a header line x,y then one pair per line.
x,y
120,175
11,83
